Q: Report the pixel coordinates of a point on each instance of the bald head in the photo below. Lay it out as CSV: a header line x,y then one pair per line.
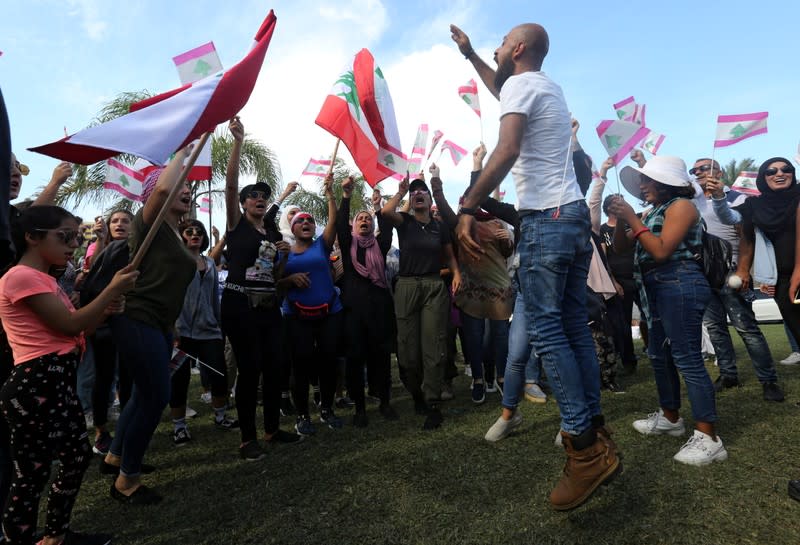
x,y
535,39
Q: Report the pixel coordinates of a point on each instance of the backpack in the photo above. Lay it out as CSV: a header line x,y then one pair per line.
x,y
715,256
114,257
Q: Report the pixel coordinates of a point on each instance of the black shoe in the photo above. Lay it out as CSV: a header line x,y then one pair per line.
x,y
287,408
251,451
433,420
613,387
772,392
388,412
281,437
345,403
75,538
723,383
794,489
142,496
360,420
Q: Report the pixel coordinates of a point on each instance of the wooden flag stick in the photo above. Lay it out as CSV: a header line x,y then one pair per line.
x,y
619,190
151,234
333,157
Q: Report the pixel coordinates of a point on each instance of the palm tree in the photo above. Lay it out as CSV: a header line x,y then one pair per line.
x,y
315,204
86,184
733,168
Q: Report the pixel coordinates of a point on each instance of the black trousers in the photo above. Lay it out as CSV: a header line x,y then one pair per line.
x,y
211,352
314,352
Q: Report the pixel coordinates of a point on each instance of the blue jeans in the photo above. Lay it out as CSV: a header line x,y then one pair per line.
x,y
149,351
474,348
678,294
554,266
523,365
792,342
86,378
727,302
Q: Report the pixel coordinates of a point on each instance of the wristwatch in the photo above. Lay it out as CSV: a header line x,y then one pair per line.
x,y
468,211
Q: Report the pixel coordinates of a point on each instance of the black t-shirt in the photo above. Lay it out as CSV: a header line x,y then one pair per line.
x,y
421,246
243,246
621,264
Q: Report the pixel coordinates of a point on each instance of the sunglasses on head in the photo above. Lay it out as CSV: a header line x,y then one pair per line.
x,y
785,169
65,237
257,195
702,168
193,231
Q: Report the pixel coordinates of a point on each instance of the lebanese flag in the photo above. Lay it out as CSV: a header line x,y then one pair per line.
x,y
124,180
652,142
437,135
469,94
158,126
456,152
746,183
198,63
359,111
317,167
638,115
205,205
625,109
201,171
421,142
619,137
735,128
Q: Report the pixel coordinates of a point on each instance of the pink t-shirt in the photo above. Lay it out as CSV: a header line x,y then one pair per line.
x,y
27,334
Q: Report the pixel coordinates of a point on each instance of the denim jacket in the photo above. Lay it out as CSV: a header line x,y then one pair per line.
x,y
200,317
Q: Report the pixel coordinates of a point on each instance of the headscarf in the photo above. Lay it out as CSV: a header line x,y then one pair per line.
x,y
283,225
772,211
374,268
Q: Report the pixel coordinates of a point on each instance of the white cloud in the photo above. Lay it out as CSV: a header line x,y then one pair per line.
x,y
89,13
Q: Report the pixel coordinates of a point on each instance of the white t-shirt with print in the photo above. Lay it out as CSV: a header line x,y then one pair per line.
x,y
539,170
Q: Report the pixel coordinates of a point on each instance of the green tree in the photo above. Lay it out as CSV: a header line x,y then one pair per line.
x,y
732,169
86,184
315,204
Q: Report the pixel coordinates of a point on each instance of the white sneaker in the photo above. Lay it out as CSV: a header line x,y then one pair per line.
x,y
791,359
491,386
503,428
701,450
205,397
559,441
190,413
657,424
534,393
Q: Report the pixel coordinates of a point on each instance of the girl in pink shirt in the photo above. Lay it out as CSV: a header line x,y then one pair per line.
x,y
39,400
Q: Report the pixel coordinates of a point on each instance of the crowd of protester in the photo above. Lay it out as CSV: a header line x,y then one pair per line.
x,y
542,296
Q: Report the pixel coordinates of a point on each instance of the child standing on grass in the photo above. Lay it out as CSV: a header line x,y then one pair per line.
x,y
39,400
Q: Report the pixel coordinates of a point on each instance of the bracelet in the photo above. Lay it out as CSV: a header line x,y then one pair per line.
x,y
469,53
640,232
467,211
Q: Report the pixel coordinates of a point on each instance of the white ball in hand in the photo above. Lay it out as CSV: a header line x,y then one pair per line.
x,y
734,282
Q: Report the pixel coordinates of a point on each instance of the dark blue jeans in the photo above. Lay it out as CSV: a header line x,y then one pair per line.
x,y
474,348
678,294
554,266
149,351
726,303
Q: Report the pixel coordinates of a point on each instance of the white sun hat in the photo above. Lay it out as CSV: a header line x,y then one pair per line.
x,y
664,169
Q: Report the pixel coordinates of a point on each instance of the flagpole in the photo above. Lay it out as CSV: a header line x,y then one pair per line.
x,y
616,171
333,157
151,234
210,225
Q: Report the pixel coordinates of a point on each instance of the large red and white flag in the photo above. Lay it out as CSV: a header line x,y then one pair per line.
x,y
317,168
359,111
124,180
735,128
469,94
619,137
157,127
198,63
201,171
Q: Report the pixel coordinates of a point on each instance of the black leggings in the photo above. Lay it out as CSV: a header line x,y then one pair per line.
x,y
314,347
40,404
105,363
212,353
255,337
789,311
369,328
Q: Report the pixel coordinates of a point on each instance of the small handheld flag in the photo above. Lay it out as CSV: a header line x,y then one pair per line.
x,y
456,152
317,168
197,63
124,180
735,128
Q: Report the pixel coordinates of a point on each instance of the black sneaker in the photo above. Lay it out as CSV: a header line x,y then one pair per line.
x,y
181,436
287,408
360,420
304,426
772,392
76,538
388,412
723,383
227,423
327,416
433,420
345,402
281,437
251,451
794,489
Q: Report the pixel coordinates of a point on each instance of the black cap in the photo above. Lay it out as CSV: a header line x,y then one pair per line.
x,y
258,186
418,184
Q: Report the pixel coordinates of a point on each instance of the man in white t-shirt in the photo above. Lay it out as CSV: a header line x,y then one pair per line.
x,y
554,249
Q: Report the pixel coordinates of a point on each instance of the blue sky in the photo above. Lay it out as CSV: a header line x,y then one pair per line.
x,y
688,61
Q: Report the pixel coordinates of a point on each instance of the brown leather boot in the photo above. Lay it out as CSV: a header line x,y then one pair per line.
x,y
605,432
591,461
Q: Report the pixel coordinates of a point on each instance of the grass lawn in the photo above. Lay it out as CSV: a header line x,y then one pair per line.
x,y
393,483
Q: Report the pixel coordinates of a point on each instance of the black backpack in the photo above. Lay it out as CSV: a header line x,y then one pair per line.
x,y
715,255
114,257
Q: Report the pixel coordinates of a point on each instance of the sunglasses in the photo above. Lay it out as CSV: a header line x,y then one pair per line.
x,y
419,191
304,219
193,231
786,169
64,237
257,195
702,168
